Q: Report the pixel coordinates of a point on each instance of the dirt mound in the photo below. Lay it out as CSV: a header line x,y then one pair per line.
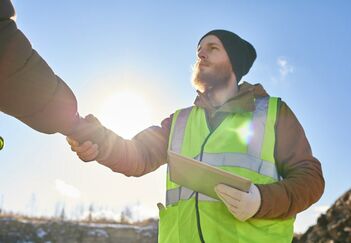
x,y
333,226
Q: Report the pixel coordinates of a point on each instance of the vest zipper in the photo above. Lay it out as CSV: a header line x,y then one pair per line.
x,y
197,194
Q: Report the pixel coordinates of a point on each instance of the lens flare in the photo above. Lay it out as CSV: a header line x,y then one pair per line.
x,y
245,132
126,113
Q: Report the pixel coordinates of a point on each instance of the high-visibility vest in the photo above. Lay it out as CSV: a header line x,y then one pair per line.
x,y
242,144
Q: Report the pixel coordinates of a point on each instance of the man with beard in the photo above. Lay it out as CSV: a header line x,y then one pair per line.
x,y
238,128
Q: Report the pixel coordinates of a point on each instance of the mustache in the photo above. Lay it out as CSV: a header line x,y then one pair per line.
x,y
200,62
203,62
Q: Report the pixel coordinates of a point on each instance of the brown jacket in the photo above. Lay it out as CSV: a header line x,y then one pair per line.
x,y
302,183
29,89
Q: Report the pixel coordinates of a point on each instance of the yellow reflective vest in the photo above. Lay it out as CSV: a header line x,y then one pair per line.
x,y
242,144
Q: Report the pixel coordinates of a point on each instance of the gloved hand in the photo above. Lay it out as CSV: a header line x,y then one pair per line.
x,y
243,205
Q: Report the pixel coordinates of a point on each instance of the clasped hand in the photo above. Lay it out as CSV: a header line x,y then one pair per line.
x,y
89,130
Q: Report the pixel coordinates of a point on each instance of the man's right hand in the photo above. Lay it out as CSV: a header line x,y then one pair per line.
x,y
86,151
88,129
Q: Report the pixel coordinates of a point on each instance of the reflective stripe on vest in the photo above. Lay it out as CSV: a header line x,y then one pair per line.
x,y
175,194
250,160
246,161
179,130
258,125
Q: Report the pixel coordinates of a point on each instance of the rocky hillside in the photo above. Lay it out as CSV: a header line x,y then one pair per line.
x,y
334,226
22,231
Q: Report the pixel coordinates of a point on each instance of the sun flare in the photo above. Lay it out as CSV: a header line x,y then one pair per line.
x,y
126,113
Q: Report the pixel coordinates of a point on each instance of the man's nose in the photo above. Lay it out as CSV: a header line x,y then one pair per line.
x,y
202,54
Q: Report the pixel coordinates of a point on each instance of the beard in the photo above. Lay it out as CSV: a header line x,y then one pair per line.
x,y
218,76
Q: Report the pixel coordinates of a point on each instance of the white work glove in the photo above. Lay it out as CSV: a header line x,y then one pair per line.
x,y
243,205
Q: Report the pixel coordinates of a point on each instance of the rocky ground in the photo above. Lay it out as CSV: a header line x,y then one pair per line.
x,y
22,231
332,227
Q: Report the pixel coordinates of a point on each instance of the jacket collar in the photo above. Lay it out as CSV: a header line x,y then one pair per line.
x,y
243,101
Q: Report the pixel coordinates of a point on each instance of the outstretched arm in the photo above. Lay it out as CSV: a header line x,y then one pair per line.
x,y
29,89
132,157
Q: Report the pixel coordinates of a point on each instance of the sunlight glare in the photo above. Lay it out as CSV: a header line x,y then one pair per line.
x,y
244,132
126,113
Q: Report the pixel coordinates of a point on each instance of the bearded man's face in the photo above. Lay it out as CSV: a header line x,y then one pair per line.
x,y
212,68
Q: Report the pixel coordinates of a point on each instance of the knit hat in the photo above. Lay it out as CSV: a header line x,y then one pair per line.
x,y
240,52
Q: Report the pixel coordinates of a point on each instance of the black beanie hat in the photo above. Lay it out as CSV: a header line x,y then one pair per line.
x,y
240,52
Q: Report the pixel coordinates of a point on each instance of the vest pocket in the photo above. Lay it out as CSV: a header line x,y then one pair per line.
x,y
267,230
168,228
178,223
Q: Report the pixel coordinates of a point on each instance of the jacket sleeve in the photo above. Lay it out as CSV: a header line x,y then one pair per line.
x,y
137,156
29,89
302,183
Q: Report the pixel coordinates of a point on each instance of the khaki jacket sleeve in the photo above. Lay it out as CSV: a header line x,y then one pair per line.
x,y
302,183
138,156
29,89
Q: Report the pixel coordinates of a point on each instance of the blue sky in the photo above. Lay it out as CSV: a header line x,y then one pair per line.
x,y
123,56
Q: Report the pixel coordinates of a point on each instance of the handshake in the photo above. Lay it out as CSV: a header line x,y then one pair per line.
x,y
86,138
